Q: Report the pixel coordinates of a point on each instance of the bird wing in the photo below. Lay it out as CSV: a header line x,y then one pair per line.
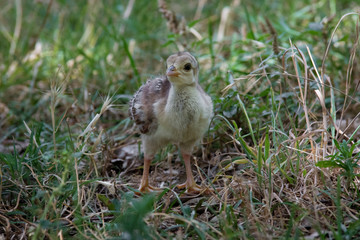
x,y
141,107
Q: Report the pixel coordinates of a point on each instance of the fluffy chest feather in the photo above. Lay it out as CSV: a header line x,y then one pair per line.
x,y
185,116
182,109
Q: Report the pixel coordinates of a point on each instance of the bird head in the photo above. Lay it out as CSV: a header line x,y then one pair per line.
x,y
182,69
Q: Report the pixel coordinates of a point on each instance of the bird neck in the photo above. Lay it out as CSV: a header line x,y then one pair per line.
x,y
183,87
181,94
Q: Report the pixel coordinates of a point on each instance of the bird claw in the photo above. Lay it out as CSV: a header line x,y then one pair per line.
x,y
193,188
147,188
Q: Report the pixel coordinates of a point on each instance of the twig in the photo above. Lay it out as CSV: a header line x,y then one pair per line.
x,y
42,24
17,30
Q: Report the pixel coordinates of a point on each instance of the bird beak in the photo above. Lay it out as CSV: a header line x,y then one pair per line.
x,y
172,72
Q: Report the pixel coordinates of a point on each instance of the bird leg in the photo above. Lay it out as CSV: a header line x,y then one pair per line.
x,y
190,184
144,185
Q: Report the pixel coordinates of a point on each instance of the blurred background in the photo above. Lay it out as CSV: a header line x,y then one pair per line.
x,y
113,46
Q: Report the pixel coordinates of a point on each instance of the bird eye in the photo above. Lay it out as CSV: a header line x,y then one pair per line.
x,y
187,67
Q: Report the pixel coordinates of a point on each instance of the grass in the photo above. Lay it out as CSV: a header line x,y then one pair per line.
x,y
282,152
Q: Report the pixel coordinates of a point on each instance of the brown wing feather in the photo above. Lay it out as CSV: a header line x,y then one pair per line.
x,y
141,107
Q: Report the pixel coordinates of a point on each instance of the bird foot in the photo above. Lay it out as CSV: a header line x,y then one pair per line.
x,y
193,188
147,188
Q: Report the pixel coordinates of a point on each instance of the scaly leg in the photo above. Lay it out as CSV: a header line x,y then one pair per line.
x,y
190,184
144,185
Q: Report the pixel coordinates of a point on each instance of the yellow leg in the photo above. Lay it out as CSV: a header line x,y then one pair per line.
x,y
144,185
190,184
